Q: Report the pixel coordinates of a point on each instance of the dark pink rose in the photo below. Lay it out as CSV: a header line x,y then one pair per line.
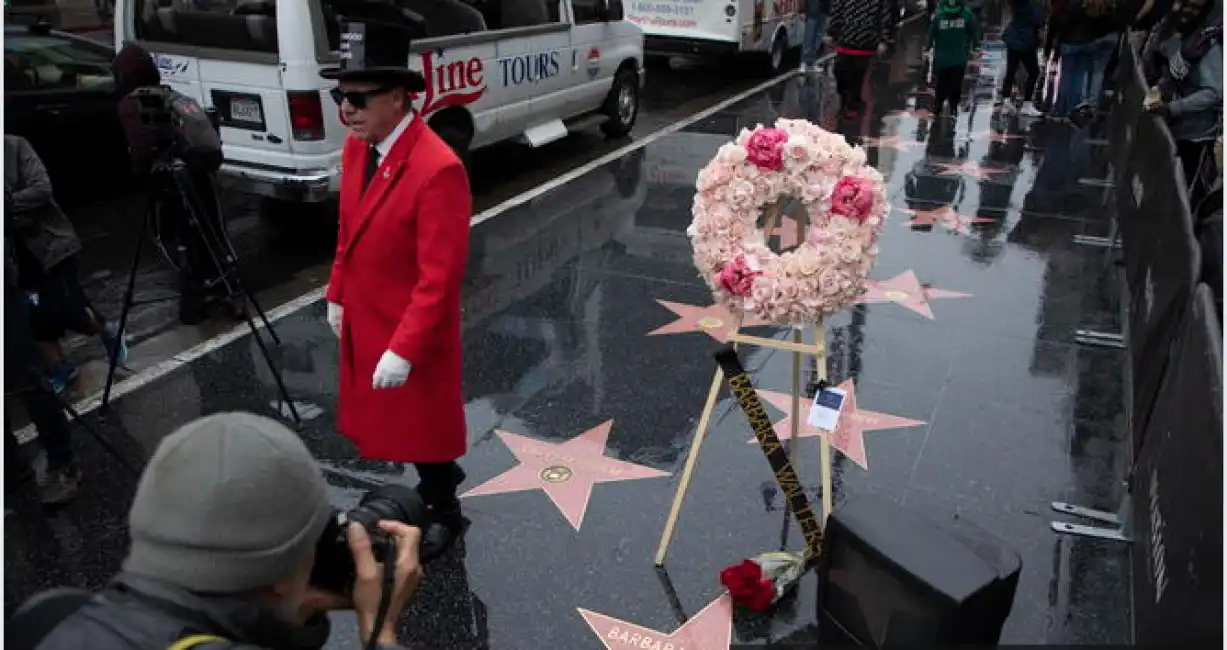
x,y
766,148
853,198
738,278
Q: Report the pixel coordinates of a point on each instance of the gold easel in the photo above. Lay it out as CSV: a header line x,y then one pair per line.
x,y
799,349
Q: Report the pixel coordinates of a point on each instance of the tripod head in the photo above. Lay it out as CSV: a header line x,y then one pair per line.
x,y
181,131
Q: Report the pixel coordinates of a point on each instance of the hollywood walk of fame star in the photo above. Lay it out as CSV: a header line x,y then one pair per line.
x,y
566,471
849,436
918,113
710,629
905,290
713,320
892,142
946,216
975,170
996,136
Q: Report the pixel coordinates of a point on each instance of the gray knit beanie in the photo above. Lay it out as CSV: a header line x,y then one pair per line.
x,y
228,503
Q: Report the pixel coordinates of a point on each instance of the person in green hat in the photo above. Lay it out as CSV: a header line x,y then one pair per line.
x,y
954,34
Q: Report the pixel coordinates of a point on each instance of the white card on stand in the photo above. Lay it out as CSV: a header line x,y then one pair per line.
x,y
828,403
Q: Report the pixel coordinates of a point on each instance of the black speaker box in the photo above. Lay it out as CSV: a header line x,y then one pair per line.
x,y
890,577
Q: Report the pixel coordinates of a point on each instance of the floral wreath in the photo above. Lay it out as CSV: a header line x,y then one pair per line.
x,y
846,204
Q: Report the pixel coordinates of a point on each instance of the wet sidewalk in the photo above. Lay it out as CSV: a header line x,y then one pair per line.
x,y
585,344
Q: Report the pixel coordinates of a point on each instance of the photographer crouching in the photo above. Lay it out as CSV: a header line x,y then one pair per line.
x,y
139,83
234,545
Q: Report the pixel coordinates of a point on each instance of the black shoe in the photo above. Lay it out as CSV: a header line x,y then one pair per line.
x,y
441,533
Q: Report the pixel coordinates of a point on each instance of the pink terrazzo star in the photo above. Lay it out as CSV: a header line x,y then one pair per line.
x,y
918,113
566,471
905,290
787,230
946,216
710,629
892,142
996,136
713,320
975,170
849,436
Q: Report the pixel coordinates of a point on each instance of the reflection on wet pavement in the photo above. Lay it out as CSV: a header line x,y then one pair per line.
x,y
998,412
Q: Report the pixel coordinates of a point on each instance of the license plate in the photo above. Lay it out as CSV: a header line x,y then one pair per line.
x,y
245,110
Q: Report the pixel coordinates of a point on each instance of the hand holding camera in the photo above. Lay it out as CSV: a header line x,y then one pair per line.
x,y
370,576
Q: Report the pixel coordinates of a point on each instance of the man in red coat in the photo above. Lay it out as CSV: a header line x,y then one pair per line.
x,y
394,295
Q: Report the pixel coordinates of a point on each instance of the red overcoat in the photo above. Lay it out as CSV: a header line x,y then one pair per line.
x,y
402,249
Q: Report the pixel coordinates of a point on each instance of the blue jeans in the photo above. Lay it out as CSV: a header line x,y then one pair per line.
x,y
814,28
1082,69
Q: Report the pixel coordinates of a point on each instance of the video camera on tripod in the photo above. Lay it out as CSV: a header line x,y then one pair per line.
x,y
180,128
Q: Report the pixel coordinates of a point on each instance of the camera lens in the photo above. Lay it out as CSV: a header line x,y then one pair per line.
x,y
334,563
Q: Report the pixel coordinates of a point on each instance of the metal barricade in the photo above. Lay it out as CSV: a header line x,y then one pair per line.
x,y
1178,500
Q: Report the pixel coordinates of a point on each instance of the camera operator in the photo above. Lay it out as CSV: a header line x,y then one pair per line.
x,y
225,526
134,69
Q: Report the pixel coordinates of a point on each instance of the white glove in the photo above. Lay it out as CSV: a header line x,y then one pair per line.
x,y
392,371
334,317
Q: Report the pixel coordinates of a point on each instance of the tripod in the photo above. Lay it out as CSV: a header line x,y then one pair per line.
x,y
173,179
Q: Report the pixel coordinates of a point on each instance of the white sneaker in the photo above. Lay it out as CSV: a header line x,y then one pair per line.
x,y
1029,110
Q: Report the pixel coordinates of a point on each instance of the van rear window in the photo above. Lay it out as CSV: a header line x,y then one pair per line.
x,y
438,18
243,25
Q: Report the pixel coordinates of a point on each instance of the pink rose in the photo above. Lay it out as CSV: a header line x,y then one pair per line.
x,y
738,278
765,148
853,197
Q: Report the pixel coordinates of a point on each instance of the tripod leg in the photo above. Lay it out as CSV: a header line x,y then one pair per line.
x,y
230,265
113,361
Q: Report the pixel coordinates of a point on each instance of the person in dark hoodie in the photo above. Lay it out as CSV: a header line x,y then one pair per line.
x,y
135,69
1022,40
859,30
1090,33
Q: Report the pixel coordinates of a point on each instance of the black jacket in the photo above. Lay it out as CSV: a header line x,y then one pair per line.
x,y
136,613
862,24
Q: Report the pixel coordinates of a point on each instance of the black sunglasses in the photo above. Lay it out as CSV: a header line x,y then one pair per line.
x,y
357,98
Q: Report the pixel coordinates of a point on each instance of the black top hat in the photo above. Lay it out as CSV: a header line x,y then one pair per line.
x,y
377,52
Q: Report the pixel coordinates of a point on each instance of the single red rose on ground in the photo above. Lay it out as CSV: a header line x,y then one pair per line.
x,y
748,587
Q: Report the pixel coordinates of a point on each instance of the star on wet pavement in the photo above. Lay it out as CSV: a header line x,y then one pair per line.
x,y
905,290
713,320
918,113
996,136
891,142
975,170
946,216
566,471
787,230
710,629
849,436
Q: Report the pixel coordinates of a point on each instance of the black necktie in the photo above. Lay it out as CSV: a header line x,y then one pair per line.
x,y
372,165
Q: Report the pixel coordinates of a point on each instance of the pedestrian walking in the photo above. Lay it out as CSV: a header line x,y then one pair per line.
x,y
46,247
394,294
816,14
1022,41
954,34
858,30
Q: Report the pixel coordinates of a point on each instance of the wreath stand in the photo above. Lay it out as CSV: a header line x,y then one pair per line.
x,y
799,350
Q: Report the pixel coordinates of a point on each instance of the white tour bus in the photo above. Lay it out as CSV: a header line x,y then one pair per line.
x,y
721,27
495,70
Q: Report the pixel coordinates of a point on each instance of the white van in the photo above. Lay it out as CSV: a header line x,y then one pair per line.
x,y
495,70
721,27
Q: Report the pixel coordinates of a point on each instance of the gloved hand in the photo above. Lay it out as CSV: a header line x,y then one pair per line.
x,y
391,371
334,318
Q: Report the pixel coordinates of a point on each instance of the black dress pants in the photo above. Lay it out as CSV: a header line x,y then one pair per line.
x,y
438,484
949,88
849,73
1030,62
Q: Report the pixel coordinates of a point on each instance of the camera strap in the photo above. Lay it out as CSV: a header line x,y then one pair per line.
x,y
385,593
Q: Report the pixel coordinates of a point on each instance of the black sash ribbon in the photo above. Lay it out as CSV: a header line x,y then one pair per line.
x,y
773,449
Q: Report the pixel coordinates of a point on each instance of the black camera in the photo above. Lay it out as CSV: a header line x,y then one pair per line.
x,y
180,128
334,562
